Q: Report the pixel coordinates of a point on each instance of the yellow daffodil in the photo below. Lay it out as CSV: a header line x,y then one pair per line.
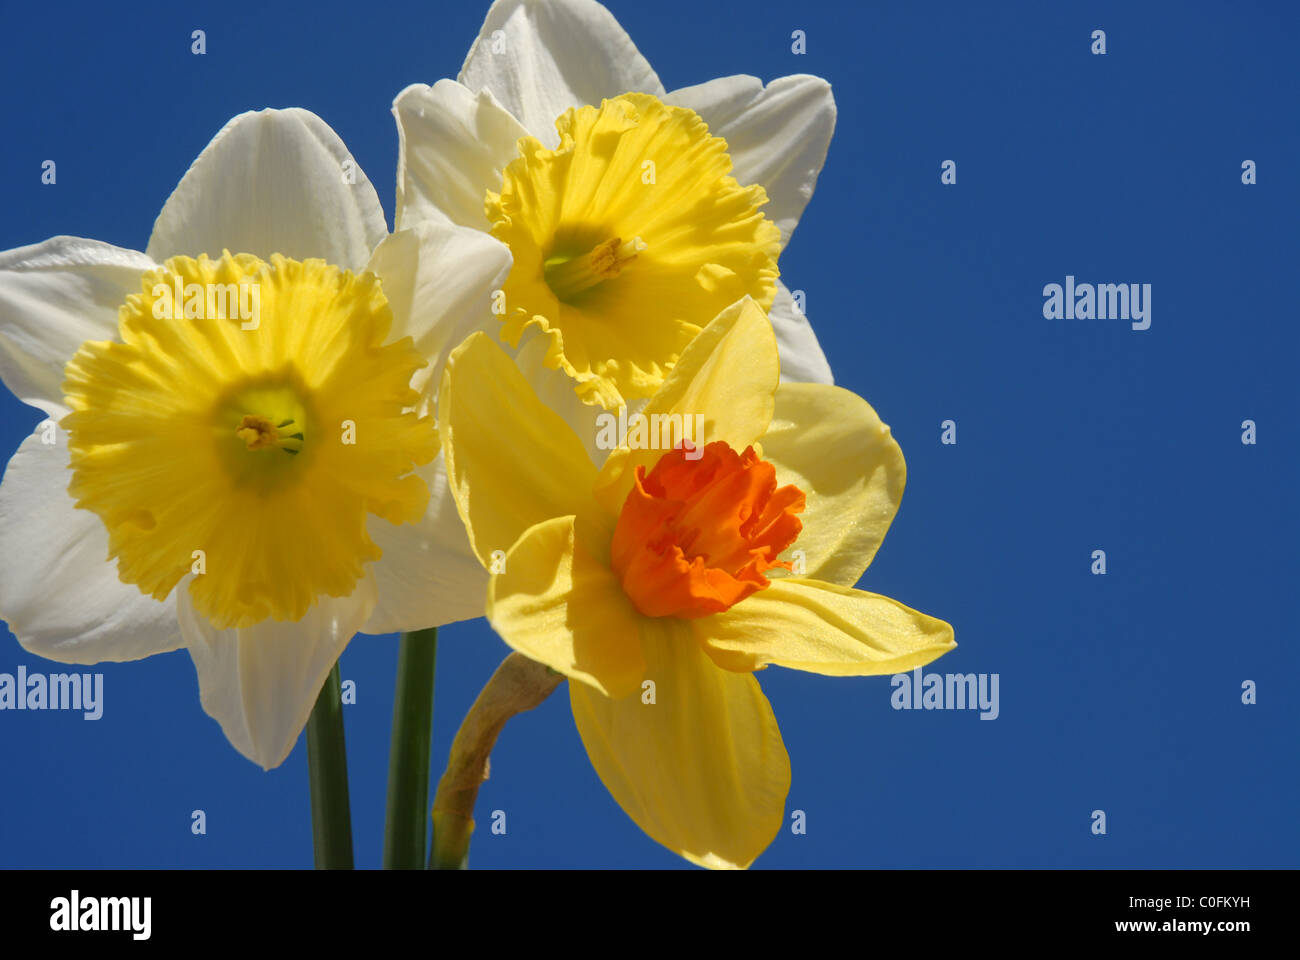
x,y
244,451
659,583
633,214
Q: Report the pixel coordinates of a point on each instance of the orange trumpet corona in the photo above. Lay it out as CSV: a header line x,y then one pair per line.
x,y
695,537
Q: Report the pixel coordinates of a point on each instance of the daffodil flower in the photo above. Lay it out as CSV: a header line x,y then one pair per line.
x,y
661,582
251,484
633,215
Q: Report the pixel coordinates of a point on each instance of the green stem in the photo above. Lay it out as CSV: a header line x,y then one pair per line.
x,y
407,821
327,770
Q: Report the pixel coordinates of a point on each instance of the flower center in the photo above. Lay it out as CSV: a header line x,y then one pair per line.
x,y
569,277
620,311
696,536
246,443
259,433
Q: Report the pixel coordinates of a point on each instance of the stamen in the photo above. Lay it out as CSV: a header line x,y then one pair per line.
x,y
569,276
259,433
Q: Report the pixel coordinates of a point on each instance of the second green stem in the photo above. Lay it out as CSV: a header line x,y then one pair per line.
x,y
406,822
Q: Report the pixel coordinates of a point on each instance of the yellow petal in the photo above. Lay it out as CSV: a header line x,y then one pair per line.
x,y
823,628
702,769
728,374
511,461
831,445
559,605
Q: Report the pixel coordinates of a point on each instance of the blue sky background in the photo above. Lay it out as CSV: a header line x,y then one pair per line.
x,y
1120,693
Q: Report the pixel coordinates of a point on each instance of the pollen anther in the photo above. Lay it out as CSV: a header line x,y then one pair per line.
x,y
570,276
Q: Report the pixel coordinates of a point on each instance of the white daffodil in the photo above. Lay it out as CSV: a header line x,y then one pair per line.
x,y
256,484
633,215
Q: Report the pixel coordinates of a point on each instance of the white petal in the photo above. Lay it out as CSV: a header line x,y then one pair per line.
x,y
59,592
260,683
541,57
272,181
777,135
54,296
428,575
439,279
802,359
452,148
